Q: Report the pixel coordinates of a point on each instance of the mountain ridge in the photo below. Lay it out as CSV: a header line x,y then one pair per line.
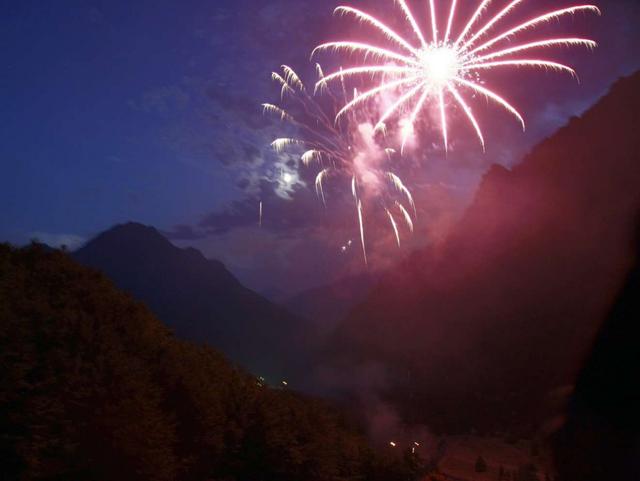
x,y
327,304
197,297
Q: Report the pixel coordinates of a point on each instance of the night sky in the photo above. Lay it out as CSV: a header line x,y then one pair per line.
x,y
151,111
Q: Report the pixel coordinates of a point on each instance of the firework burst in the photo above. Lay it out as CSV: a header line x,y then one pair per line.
x,y
447,64
339,150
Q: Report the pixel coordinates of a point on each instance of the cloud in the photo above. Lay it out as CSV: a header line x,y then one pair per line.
x,y
184,232
163,100
70,241
243,107
281,215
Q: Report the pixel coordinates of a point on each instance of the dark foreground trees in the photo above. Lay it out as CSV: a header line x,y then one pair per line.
x,y
481,465
93,387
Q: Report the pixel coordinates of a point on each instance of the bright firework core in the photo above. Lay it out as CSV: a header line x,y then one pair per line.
x,y
440,65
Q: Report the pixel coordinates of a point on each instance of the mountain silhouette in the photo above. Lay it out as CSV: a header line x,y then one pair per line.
x,y
476,331
198,298
326,305
600,438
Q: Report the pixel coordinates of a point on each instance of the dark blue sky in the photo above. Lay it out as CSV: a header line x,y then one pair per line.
x,y
83,105
150,111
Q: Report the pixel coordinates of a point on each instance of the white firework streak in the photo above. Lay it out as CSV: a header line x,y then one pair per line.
x,y
399,185
535,22
280,145
285,87
274,109
319,189
406,215
412,119
330,144
361,223
394,226
396,105
311,155
452,14
292,78
468,112
441,68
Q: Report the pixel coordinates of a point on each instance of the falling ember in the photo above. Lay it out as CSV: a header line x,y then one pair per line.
x,y
319,189
394,226
430,72
392,444
406,215
399,185
360,222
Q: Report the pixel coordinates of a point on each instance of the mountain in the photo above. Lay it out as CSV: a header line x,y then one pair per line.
x,y
600,438
199,298
94,387
326,305
475,332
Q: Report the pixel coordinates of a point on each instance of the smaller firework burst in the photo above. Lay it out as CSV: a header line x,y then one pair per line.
x,y
340,150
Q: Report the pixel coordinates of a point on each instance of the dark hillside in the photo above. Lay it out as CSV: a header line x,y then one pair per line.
x,y
95,388
199,299
601,436
476,331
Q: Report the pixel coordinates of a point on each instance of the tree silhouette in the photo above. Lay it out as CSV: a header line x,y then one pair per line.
x,y
481,465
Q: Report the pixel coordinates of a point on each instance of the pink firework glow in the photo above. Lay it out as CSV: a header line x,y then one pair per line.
x,y
446,64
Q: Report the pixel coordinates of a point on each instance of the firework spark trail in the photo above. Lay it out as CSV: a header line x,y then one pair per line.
x,y
503,13
468,112
534,22
474,18
452,14
434,26
370,51
522,63
399,185
396,105
408,128
443,69
443,118
371,93
394,226
334,147
406,215
361,223
319,189
381,26
539,44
